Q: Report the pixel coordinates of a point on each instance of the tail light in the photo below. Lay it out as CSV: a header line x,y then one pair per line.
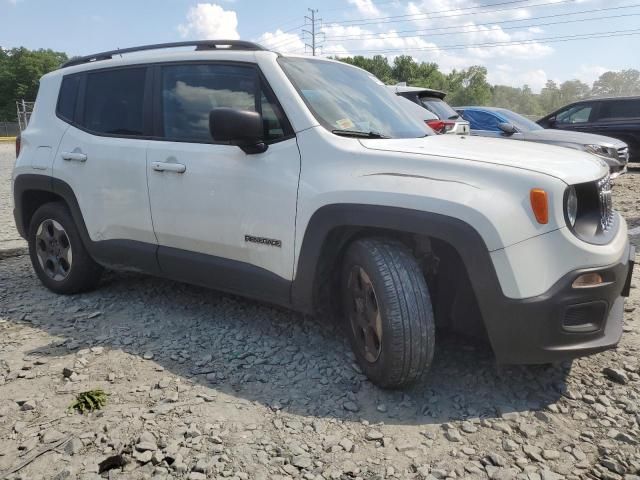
x,y
17,145
441,126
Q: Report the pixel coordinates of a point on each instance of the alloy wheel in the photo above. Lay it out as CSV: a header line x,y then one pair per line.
x,y
53,250
364,314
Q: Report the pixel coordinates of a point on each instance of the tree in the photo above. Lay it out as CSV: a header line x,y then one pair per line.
x,y
550,96
469,87
20,72
572,90
616,84
405,68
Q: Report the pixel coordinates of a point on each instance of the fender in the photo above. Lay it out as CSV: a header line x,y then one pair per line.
x,y
139,256
460,235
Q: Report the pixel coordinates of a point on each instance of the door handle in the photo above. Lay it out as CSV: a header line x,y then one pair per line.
x,y
74,157
168,167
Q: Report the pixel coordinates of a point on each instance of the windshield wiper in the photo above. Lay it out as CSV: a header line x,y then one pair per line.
x,y
454,117
357,133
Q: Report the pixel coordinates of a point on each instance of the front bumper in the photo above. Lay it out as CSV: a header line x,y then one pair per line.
x,y
563,322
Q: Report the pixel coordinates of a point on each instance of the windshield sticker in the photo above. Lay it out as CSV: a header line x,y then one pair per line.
x,y
344,123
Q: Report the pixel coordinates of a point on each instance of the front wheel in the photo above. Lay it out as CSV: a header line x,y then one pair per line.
x,y
57,253
388,310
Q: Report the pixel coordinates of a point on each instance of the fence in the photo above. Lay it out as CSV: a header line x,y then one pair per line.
x,y
9,129
24,110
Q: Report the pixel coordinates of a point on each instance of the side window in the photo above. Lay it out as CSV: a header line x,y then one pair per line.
x,y
619,109
575,114
190,92
68,97
482,121
114,101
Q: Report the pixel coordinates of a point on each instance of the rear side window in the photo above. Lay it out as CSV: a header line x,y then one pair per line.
x,y
439,107
114,101
619,109
190,92
68,97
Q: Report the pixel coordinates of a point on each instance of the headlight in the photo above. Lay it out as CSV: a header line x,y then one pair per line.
x,y
571,206
600,151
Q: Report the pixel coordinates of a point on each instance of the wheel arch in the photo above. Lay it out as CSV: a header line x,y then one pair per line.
x,y
335,226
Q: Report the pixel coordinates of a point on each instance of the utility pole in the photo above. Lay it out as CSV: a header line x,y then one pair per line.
x,y
315,23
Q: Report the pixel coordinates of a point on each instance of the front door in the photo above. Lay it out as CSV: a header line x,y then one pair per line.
x,y
223,218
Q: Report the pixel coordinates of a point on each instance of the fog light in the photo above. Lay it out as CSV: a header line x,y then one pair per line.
x,y
588,280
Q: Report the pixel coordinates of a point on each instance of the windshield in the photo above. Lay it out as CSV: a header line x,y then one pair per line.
x,y
523,124
345,99
439,107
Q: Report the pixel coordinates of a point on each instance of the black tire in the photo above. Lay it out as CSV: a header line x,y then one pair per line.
x,y
404,313
82,273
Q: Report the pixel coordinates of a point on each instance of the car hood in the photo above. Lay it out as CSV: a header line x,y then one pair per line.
x,y
570,166
564,136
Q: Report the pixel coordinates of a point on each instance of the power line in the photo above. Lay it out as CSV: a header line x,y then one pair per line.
x,y
562,38
373,35
463,32
284,40
429,16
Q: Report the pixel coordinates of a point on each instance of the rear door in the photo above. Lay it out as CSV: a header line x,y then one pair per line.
x,y
620,119
223,218
102,157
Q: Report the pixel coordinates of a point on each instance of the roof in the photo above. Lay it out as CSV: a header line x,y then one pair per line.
x,y
199,44
477,107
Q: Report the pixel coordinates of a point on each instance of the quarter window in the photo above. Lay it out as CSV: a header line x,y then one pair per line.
x,y
68,97
114,101
190,92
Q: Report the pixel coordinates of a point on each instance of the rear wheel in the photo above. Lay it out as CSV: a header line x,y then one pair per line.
x,y
388,310
57,253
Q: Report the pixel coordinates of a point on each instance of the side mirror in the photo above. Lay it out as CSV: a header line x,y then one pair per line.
x,y
507,128
238,127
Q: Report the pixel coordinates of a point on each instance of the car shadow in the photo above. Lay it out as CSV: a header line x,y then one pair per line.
x,y
269,355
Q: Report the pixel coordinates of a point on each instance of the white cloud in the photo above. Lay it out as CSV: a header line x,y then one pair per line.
x,y
282,42
366,7
210,21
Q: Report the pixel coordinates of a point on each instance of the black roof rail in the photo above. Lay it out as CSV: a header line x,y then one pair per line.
x,y
199,44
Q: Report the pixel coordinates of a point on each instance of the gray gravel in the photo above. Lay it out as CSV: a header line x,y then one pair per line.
x,y
10,241
206,385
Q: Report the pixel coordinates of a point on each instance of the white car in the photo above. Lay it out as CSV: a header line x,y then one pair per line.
x,y
301,182
447,119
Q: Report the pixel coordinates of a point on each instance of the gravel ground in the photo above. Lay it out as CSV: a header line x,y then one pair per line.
x,y
10,241
205,385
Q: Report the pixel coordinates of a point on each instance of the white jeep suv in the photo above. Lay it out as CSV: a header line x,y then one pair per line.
x,y
302,182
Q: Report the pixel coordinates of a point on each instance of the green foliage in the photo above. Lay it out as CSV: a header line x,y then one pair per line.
x,y
89,401
470,86
20,72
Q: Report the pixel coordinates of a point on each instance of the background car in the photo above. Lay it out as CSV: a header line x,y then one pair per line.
x,y
420,113
614,117
500,122
433,100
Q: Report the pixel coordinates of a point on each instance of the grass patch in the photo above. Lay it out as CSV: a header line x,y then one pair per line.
x,y
89,401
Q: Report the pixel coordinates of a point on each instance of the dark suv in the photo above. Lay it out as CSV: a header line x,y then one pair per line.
x,y
614,117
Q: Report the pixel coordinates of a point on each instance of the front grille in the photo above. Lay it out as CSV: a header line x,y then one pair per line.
x,y
606,202
623,154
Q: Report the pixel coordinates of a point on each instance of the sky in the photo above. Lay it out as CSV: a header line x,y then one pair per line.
x,y
519,41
